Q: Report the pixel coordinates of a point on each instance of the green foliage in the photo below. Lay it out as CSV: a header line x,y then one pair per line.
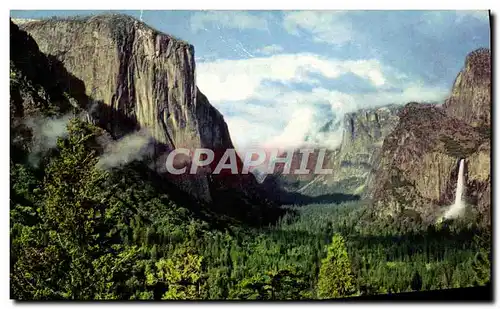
x,y
182,275
78,232
73,192
288,284
335,277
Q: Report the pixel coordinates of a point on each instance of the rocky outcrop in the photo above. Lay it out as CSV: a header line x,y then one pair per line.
x,y
470,98
418,166
352,162
132,76
364,133
214,132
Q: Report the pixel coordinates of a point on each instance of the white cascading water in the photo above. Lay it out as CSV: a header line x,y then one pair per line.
x,y
457,208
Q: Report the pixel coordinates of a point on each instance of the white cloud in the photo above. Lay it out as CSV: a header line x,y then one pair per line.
x,y
294,133
339,102
270,49
285,116
260,114
326,26
246,132
228,19
416,92
307,121
233,80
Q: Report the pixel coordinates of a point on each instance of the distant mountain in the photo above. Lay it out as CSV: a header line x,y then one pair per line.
x,y
352,162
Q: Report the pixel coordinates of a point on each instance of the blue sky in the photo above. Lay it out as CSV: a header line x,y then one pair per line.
x,y
277,76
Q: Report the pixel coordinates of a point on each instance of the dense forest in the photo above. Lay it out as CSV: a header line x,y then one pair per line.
x,y
78,232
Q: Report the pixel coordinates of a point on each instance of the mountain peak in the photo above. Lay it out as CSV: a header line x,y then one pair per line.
x,y
470,97
479,61
121,25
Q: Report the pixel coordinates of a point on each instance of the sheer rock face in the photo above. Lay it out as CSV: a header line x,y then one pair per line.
x,y
470,98
364,134
418,167
139,78
352,162
143,76
214,132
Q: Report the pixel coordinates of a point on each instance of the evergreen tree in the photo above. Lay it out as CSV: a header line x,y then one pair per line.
x,y
182,276
416,282
335,276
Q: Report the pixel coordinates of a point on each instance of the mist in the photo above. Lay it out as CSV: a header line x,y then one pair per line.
x,y
45,132
135,146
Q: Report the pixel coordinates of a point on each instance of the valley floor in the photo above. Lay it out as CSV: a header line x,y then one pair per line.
x,y
381,260
78,232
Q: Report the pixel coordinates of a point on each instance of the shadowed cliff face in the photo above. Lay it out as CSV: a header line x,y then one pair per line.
x,y
34,92
418,166
34,88
143,79
213,129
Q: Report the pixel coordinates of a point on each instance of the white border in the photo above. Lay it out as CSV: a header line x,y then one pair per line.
x,y
197,5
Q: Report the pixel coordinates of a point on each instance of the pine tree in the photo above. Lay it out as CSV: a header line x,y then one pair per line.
x,y
70,244
416,282
182,275
481,268
335,275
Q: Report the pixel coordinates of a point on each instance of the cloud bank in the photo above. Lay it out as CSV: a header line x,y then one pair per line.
x,y
135,146
281,99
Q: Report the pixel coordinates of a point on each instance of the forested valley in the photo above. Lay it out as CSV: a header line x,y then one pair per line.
x,y
78,232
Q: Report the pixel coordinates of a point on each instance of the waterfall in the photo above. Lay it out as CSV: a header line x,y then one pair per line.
x,y
457,208
460,184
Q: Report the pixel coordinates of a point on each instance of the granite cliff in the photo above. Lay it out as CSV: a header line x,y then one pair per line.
x,y
352,162
417,171
470,98
131,76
